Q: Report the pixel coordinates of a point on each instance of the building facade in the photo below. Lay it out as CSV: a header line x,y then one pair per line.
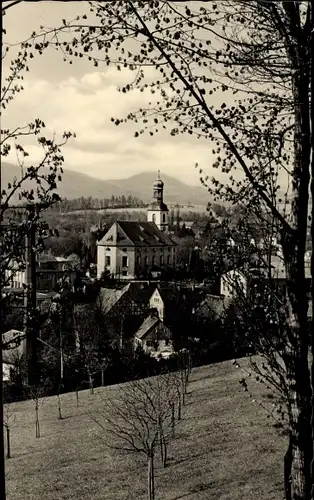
x,y
132,249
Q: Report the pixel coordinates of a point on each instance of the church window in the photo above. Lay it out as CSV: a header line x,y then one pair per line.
x,y
138,260
124,261
124,250
161,260
146,260
108,249
153,259
168,259
154,217
124,273
164,217
107,260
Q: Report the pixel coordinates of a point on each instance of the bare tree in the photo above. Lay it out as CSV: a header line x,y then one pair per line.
x,y
36,394
9,417
138,417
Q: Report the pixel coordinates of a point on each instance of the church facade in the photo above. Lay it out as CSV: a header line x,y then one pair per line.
x,y
132,249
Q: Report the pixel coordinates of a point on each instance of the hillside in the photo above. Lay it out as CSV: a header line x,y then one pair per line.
x,y
224,448
75,185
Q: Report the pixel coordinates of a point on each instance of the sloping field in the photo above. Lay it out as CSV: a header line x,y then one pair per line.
x,y
224,449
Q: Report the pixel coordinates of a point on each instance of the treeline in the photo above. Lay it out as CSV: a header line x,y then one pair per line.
x,y
90,203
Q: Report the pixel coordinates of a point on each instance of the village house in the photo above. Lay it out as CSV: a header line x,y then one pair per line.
x,y
131,249
154,337
49,271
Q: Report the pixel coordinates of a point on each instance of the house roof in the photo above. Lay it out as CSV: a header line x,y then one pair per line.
x,y
212,306
148,324
168,295
141,292
109,297
141,234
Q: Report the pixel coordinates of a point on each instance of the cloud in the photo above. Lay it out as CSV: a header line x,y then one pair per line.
x,y
85,106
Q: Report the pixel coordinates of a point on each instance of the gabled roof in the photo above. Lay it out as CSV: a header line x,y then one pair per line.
x,y
212,306
148,324
168,295
141,234
141,292
109,297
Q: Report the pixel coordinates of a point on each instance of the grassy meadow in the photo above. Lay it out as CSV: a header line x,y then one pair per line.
x,y
225,448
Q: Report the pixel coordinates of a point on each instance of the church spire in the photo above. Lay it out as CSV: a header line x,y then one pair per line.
x,y
158,210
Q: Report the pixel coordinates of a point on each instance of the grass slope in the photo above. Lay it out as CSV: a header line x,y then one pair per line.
x,y
224,449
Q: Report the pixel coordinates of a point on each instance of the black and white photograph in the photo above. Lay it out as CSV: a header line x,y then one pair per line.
x,y
156,234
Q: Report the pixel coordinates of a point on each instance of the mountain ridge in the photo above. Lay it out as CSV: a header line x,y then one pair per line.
x,y
75,185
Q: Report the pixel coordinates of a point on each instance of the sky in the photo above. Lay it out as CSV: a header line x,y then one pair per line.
x,y
82,98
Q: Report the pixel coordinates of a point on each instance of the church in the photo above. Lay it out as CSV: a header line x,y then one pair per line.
x,y
129,250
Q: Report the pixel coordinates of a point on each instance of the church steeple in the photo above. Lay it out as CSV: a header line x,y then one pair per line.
x,y
158,189
158,211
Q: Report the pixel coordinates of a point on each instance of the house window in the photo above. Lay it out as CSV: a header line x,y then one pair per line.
x,y
146,260
107,260
124,273
138,260
124,261
168,259
161,260
149,343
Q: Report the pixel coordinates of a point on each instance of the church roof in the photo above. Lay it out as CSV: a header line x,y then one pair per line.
x,y
141,234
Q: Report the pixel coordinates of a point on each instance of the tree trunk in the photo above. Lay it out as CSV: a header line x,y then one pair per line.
x,y
91,385
301,439
161,444
150,476
179,407
173,420
294,246
37,421
8,442
287,470
165,460
59,407
298,374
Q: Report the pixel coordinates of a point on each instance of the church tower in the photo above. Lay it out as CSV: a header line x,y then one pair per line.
x,y
158,211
